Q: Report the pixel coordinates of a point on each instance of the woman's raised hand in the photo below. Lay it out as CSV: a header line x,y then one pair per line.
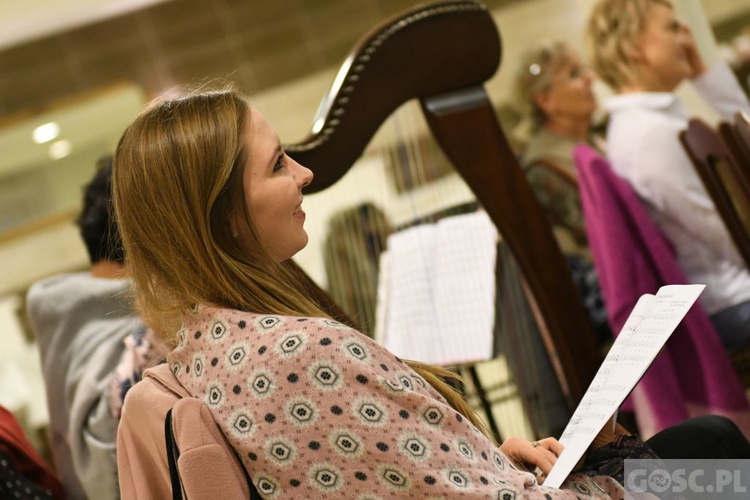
x,y
693,55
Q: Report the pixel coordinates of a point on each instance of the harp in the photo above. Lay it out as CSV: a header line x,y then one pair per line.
x,y
441,54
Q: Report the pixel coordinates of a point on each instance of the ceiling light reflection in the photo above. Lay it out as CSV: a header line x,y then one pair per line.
x,y
60,149
45,133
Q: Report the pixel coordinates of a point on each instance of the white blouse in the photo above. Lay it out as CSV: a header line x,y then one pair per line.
x,y
643,147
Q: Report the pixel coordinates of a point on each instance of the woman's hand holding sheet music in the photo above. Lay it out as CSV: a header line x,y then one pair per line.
x,y
529,455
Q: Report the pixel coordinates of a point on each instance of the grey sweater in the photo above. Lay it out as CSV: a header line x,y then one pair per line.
x,y
81,322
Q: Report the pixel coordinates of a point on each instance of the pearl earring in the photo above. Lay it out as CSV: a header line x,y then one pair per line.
x,y
235,234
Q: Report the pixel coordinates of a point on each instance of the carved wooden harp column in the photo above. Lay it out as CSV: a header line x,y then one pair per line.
x,y
442,53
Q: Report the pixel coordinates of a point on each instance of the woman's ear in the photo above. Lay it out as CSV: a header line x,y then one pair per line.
x,y
234,225
634,52
542,100
637,63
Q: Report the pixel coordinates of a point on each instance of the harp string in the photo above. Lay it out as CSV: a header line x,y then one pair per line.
x,y
420,167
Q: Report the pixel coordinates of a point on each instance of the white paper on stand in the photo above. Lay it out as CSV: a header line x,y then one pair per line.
x,y
436,295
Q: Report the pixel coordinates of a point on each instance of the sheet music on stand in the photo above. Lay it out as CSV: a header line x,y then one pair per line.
x,y
647,329
436,295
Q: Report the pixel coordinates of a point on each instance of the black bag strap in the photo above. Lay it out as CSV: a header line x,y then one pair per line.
x,y
254,495
173,453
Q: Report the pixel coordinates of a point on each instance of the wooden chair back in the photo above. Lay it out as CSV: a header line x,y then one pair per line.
x,y
720,159
741,138
725,183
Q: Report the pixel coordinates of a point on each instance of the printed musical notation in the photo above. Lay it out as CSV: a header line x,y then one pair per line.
x,y
648,327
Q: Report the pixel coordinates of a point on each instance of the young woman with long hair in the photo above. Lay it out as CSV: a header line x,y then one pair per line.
x,y
210,210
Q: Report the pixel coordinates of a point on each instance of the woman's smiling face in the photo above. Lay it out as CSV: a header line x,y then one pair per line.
x,y
273,185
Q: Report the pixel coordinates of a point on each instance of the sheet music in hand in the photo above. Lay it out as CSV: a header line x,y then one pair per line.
x,y
645,332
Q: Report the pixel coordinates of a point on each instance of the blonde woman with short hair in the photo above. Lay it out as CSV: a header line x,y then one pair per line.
x,y
642,50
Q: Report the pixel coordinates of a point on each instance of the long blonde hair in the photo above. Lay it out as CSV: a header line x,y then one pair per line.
x,y
177,182
613,28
